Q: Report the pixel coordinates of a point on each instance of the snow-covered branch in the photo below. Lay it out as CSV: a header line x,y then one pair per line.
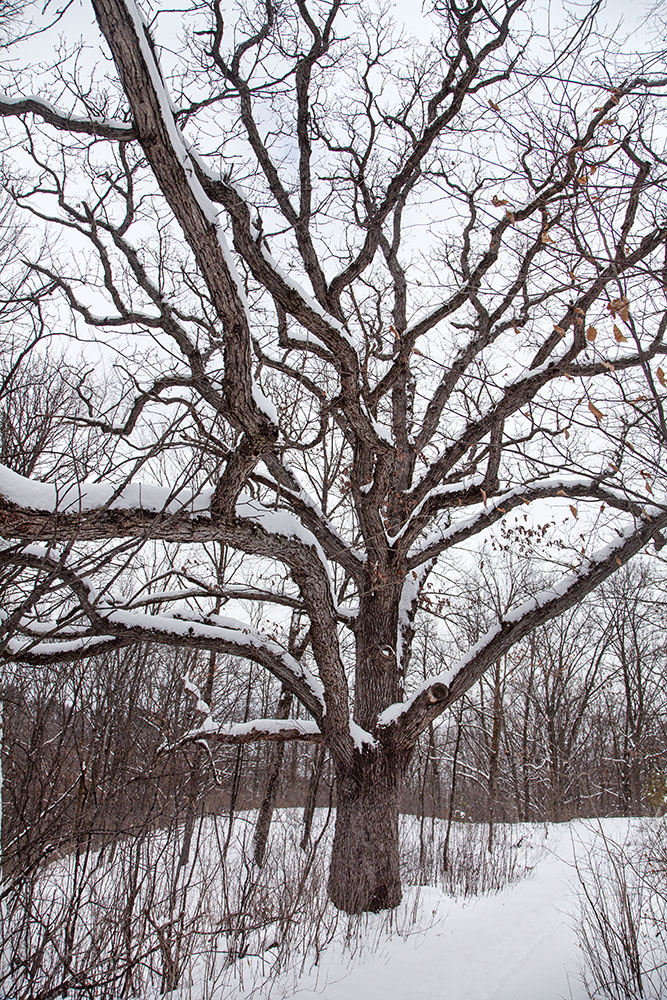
x,y
436,693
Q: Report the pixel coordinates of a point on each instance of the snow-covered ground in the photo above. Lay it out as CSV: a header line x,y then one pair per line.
x,y
519,943
516,944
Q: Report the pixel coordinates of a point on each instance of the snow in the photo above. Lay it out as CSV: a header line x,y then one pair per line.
x,y
208,727
361,737
200,705
549,594
18,647
76,498
409,596
574,485
263,403
517,944
307,299
282,522
48,108
216,627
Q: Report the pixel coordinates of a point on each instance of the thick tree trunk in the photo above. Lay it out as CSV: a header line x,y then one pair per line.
x,y
364,874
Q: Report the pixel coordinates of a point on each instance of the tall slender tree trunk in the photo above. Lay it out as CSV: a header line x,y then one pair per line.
x,y
311,800
265,814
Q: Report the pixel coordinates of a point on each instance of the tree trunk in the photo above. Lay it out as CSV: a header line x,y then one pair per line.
x,y
265,814
364,874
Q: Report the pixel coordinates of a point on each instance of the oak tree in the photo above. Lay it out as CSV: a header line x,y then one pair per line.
x,y
358,299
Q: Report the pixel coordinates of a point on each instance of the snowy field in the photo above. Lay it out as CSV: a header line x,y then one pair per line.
x,y
516,944
254,934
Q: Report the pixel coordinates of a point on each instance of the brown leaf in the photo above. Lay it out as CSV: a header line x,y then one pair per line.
x,y
598,414
559,329
619,336
545,238
591,334
574,511
492,104
620,306
661,377
483,492
516,326
510,217
499,201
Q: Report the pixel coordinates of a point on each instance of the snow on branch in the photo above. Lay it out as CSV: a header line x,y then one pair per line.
x,y
215,634
440,690
79,498
572,487
271,730
105,128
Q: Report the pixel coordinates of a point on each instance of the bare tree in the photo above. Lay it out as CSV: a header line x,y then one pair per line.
x,y
439,255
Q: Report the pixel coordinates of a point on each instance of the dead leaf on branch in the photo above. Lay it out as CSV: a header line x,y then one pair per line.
x,y
621,307
661,377
591,334
598,414
619,336
498,202
492,104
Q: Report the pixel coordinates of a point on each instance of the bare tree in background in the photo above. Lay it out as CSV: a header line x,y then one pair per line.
x,y
365,298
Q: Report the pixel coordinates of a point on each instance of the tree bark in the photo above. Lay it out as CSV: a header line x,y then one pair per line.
x,y
364,874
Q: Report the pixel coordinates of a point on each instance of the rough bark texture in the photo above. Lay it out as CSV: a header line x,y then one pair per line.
x,y
364,874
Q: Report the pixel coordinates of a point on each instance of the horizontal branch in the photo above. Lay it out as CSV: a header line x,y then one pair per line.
x,y
32,511
502,504
257,731
104,128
